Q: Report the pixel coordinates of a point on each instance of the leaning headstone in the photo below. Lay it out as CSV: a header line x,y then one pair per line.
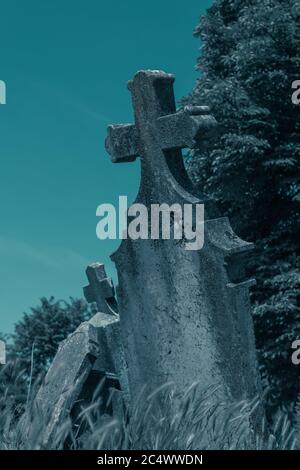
x,y
185,315
89,360
107,383
111,359
61,387
101,291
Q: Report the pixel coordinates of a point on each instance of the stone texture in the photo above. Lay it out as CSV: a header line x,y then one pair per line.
x,y
2,353
185,315
100,289
89,354
63,383
111,359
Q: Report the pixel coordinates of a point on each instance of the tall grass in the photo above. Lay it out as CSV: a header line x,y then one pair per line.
x,y
157,421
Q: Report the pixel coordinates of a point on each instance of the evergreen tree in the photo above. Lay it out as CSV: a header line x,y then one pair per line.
x,y
38,334
249,59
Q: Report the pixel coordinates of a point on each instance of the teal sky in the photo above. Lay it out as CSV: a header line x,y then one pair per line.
x,y
66,64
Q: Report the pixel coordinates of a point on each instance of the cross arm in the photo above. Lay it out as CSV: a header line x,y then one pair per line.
x,y
184,128
100,289
122,143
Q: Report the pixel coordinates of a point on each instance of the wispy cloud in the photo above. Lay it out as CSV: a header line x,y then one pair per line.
x,y
51,257
74,102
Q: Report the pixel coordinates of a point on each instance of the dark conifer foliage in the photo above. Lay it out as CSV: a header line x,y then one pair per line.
x,y
248,61
38,334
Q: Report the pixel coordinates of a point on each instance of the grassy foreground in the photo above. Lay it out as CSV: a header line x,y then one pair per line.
x,y
158,421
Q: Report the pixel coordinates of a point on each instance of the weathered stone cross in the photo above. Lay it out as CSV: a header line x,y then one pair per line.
x,y
100,289
158,134
185,315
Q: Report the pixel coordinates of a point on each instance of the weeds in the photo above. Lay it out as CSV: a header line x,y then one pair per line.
x,y
158,421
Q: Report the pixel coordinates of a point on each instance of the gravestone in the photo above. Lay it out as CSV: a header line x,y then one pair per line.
x,y
185,315
89,359
62,386
101,291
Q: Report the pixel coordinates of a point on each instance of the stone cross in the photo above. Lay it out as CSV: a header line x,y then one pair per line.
x,y
100,289
185,315
92,355
158,135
